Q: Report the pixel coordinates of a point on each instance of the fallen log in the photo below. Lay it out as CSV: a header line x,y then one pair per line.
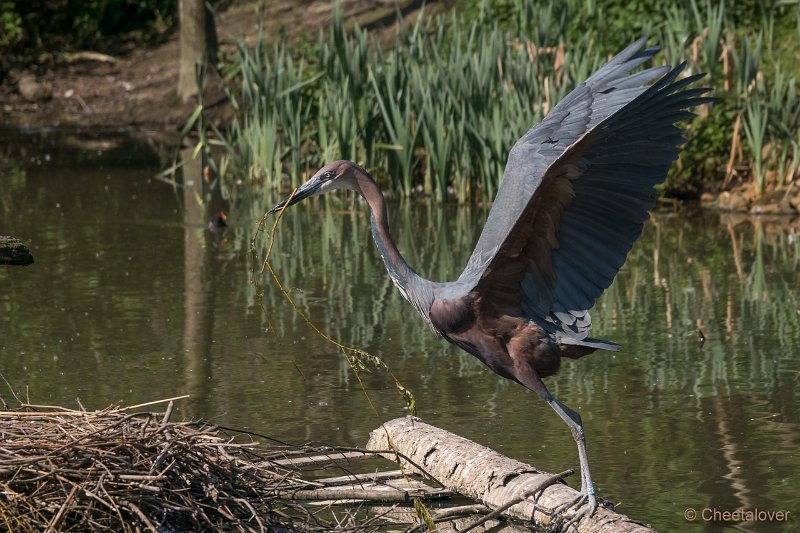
x,y
450,519
487,476
320,460
13,252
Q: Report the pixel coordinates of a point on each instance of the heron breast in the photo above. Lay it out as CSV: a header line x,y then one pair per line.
x,y
452,316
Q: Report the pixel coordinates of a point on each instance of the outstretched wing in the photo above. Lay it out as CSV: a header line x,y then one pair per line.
x,y
576,191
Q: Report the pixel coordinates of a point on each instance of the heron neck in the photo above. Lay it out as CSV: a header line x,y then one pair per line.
x,y
402,275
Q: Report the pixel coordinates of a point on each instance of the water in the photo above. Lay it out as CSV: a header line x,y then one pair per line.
x,y
132,299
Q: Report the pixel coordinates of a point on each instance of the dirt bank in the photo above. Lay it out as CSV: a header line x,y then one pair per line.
x,y
138,90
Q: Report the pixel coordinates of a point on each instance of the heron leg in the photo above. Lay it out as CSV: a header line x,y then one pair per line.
x,y
573,420
575,424
587,495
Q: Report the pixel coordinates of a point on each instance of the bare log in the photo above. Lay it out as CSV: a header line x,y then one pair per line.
x,y
353,479
449,519
489,477
321,459
374,493
13,252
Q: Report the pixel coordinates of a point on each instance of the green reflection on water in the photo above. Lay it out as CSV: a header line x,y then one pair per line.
x,y
131,299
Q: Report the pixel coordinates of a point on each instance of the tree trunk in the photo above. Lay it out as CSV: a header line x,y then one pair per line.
x,y
198,292
486,476
198,42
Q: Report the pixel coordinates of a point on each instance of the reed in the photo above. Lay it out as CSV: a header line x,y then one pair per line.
x,y
437,111
755,129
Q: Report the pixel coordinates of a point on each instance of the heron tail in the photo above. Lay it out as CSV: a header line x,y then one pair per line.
x,y
577,348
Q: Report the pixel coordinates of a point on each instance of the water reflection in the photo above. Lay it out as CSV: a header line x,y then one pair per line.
x,y
131,299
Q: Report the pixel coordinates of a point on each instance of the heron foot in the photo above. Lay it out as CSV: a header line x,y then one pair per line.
x,y
582,506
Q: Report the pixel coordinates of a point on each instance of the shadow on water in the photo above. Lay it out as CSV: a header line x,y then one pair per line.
x,y
132,299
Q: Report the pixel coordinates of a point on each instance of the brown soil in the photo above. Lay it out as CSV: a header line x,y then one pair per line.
x,y
138,90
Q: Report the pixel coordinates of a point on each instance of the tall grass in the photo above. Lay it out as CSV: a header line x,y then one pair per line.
x,y
438,111
755,128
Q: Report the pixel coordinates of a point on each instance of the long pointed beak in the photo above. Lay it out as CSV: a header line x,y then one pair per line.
x,y
306,190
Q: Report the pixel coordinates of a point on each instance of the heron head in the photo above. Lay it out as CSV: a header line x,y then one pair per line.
x,y
336,175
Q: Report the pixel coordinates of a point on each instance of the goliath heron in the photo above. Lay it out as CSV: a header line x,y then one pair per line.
x,y
575,193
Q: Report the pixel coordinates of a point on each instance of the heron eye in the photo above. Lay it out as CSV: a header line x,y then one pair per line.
x,y
327,175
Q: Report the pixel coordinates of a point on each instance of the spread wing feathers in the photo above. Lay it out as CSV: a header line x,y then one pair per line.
x,y
598,196
591,102
586,205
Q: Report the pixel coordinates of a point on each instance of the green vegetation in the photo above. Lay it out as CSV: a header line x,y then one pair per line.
x,y
437,111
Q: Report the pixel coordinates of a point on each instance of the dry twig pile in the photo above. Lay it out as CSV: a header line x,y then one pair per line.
x,y
114,470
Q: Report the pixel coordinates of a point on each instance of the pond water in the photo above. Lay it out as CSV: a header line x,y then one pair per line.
x,y
132,299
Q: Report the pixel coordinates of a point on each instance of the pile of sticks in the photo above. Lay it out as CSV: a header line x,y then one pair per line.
x,y
116,470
